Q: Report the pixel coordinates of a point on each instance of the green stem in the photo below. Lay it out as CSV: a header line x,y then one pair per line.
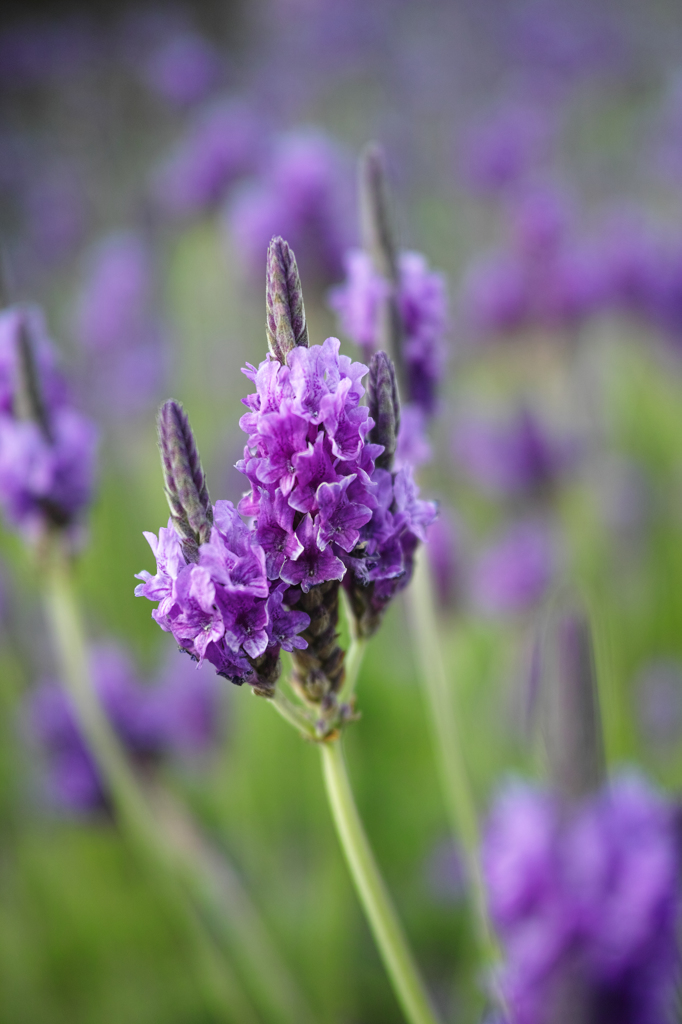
x,y
293,715
372,891
454,778
354,656
222,988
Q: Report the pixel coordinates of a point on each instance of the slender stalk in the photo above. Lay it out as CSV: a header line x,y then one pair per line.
x,y
452,768
232,913
221,987
293,715
370,887
354,656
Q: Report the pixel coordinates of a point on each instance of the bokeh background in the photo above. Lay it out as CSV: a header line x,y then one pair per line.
x,y
147,155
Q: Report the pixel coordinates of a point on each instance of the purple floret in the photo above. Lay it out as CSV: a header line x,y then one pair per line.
x,y
594,892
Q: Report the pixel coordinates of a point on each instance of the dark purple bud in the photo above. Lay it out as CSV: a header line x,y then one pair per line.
x,y
379,242
184,480
29,403
384,407
285,322
570,705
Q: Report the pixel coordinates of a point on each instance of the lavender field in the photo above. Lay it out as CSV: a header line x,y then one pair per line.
x,y
341,512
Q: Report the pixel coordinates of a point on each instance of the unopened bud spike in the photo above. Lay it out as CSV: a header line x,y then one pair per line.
x,y
184,479
285,312
29,399
384,407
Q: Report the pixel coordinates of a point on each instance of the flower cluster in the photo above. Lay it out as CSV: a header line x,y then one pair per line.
x,y
324,507
221,608
47,448
588,898
422,305
177,714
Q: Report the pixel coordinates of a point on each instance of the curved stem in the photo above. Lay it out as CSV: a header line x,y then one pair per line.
x,y
222,988
370,887
293,715
454,778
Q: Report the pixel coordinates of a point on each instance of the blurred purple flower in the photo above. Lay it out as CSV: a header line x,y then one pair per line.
x,y
222,143
443,546
512,457
302,194
47,462
514,572
183,69
594,891
177,714
413,447
118,325
423,307
500,150
547,279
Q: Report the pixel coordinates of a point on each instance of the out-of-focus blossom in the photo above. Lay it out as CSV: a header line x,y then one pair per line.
x,y
177,714
183,69
47,448
514,572
545,279
659,700
222,143
118,325
54,216
301,194
443,546
592,893
513,457
423,309
413,448
504,146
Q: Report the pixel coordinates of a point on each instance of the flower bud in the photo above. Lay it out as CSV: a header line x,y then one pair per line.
x,y
184,480
285,321
384,407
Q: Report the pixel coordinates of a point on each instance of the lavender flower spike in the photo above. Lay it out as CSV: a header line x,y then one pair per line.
x,y
384,407
286,324
184,480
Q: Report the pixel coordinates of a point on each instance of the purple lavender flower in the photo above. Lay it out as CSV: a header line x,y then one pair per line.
x,y
504,146
223,142
514,457
118,326
47,449
179,713
422,306
183,69
514,572
594,892
302,196
546,279
322,512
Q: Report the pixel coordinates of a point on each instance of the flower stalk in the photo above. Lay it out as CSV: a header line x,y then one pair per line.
x,y
372,892
454,778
